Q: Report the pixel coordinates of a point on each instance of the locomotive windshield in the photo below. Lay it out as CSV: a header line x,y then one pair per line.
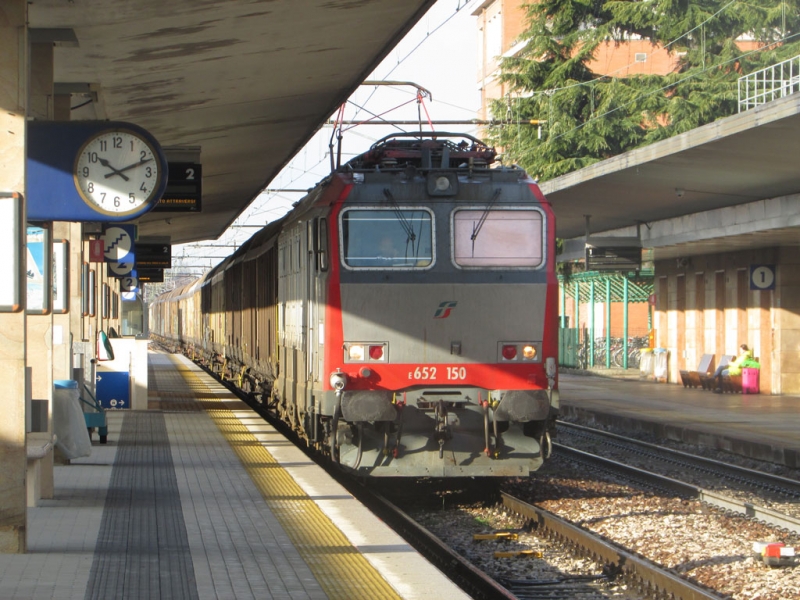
x,y
498,238
396,238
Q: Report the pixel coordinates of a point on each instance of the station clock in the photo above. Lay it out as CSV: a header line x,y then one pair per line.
x,y
117,172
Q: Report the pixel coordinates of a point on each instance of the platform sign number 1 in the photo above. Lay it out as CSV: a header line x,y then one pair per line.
x,y
762,277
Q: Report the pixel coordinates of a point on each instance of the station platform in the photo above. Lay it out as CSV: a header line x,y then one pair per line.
x,y
759,426
200,498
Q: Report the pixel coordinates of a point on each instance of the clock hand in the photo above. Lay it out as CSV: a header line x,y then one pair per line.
x,y
136,164
107,164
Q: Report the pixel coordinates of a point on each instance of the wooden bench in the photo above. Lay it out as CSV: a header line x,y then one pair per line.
x,y
704,369
709,382
732,384
37,447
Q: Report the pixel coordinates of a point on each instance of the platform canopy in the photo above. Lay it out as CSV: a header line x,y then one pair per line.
x,y
246,83
731,162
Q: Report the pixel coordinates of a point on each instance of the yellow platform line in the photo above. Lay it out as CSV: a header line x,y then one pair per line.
x,y
341,570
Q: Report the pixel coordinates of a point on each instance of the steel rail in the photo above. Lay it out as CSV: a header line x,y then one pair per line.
x,y
768,480
753,511
469,578
650,578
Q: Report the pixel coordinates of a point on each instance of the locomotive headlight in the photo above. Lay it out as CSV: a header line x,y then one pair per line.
x,y
529,352
355,352
442,183
376,352
338,380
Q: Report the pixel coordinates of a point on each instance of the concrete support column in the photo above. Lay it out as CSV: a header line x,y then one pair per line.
x,y
40,356
13,461
786,349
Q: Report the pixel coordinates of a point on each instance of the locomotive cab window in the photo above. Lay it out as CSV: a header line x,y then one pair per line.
x,y
498,238
388,238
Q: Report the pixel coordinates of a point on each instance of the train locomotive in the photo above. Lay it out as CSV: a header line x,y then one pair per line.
x,y
401,318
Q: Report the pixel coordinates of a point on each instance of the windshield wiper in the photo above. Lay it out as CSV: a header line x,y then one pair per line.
x,y
476,227
401,218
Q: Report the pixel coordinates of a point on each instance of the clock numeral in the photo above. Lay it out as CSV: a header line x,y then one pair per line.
x,y
90,187
148,172
116,201
143,155
103,198
132,196
103,145
117,142
143,188
93,158
85,171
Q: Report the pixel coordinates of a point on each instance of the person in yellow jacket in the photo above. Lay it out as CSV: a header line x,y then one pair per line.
x,y
732,368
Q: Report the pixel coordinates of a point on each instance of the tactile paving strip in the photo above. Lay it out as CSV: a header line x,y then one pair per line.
x,y
340,569
142,549
160,397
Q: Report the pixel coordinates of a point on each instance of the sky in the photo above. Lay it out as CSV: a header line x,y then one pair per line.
x,y
439,54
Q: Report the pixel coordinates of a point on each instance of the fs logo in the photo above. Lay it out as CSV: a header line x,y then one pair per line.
x,y
444,309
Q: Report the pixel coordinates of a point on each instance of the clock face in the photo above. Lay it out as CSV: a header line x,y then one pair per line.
x,y
117,172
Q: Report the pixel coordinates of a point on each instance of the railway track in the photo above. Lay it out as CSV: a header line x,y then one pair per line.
x,y
478,583
640,577
747,491
644,580
648,578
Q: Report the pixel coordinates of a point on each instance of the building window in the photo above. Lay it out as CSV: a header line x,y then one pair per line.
x,y
494,38
640,57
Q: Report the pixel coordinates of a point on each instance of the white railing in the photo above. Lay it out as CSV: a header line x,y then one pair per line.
x,y
769,84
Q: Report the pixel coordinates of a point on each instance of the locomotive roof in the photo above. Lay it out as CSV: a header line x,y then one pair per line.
x,y
434,150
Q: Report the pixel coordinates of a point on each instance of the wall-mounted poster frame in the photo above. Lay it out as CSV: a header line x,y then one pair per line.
x,y
85,289
39,299
114,305
60,276
92,294
12,298
105,302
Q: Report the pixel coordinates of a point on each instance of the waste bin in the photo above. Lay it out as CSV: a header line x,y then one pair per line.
x,y
647,363
750,381
69,425
660,363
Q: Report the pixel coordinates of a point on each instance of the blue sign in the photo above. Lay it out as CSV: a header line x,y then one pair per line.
x,y
113,390
119,249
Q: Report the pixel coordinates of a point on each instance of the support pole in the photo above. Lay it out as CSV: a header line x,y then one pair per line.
x,y
577,319
608,323
591,323
625,323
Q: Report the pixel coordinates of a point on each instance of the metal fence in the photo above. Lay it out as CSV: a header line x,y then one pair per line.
x,y
769,84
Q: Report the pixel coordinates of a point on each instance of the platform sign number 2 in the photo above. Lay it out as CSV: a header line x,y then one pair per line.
x,y
762,277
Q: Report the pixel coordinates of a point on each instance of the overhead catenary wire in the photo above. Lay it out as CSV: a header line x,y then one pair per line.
x,y
262,206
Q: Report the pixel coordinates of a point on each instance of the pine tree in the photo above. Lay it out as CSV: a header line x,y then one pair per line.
x,y
585,117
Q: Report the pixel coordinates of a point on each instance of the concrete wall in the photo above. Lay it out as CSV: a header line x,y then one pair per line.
x,y
713,311
13,461
786,319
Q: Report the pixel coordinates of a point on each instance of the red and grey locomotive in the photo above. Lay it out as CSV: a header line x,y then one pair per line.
x,y
402,318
